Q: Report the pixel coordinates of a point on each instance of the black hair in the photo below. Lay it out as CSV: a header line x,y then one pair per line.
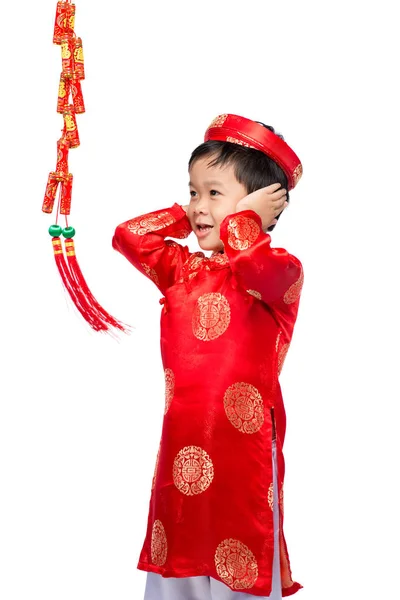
x,y
252,168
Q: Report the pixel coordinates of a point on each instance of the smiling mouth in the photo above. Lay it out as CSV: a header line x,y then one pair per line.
x,y
203,227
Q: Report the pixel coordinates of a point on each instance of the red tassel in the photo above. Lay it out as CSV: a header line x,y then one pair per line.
x,y
70,285
79,292
81,284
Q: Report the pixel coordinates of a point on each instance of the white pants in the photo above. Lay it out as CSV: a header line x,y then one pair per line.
x,y
208,588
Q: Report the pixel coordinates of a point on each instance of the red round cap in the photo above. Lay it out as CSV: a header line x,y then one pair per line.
x,y
242,131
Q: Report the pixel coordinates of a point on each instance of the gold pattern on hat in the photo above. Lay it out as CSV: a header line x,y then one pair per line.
x,y
242,232
150,273
293,292
271,496
281,356
159,545
169,388
218,121
254,293
193,470
145,224
211,316
297,173
236,564
244,407
281,499
237,141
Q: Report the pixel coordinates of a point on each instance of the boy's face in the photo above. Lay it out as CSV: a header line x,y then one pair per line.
x,y
214,194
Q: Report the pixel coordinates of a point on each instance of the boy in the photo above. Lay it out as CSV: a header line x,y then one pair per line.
x,y
216,510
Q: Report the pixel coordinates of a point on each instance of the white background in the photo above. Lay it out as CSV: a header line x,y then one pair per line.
x,y
81,414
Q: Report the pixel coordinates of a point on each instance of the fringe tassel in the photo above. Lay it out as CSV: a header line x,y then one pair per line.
x,y
79,292
80,282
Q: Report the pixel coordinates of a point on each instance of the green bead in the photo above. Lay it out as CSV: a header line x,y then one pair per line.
x,y
68,232
55,230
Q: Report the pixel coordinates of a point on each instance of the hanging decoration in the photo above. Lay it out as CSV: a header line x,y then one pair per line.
x,y
69,104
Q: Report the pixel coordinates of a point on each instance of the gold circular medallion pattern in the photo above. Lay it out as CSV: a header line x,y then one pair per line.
x,y
169,388
143,225
236,564
211,316
293,292
242,232
244,407
193,470
159,545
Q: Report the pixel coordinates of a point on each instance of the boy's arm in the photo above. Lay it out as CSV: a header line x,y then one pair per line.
x,y
142,241
271,274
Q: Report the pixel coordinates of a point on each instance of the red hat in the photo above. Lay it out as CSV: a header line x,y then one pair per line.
x,y
242,131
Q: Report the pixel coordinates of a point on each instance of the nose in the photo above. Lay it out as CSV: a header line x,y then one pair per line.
x,y
201,205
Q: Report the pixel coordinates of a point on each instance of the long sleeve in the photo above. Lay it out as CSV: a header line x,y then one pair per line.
x,y
142,241
271,274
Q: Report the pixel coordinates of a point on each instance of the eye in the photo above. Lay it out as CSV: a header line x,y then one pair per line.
x,y
213,192
192,193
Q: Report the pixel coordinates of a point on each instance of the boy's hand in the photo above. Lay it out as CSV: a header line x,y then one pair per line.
x,y
267,202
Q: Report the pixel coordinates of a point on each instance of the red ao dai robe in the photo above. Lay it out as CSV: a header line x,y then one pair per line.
x,y
226,325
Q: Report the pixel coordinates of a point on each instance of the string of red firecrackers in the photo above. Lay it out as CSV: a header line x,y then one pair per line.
x,y
73,72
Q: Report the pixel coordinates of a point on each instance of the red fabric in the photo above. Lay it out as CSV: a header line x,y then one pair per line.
x,y
245,132
226,324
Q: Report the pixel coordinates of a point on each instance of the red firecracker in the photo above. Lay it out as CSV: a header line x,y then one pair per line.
x,y
66,194
67,56
50,193
70,103
77,97
62,157
71,127
64,90
79,63
65,21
